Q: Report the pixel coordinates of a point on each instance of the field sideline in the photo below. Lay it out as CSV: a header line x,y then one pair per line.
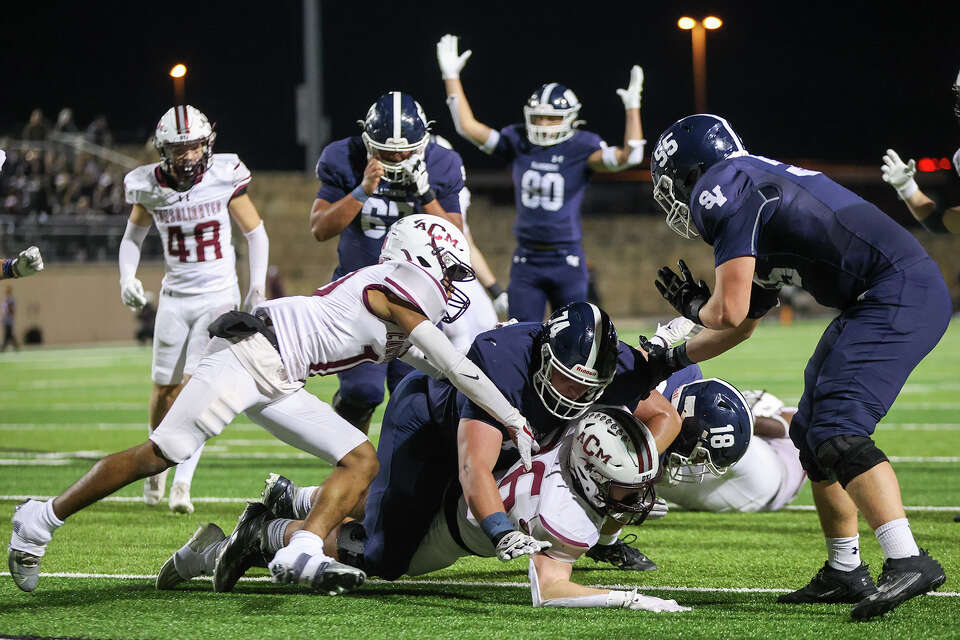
x,y
60,409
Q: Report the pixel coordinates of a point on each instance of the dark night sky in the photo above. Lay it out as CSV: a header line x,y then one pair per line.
x,y
833,80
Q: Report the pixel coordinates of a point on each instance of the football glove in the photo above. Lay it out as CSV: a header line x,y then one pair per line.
x,y
253,299
674,331
415,171
525,441
899,175
639,602
631,95
517,543
451,62
501,304
131,293
683,293
28,262
662,362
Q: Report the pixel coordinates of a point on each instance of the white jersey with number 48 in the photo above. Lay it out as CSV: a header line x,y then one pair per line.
x,y
194,225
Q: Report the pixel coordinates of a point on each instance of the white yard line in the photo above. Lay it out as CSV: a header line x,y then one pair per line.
x,y
458,583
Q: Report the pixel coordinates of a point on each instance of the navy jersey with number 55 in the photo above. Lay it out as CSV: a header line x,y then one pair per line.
x,y
803,228
340,169
549,184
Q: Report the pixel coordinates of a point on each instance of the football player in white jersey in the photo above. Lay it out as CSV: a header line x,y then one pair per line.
x,y
257,365
190,195
603,467
27,262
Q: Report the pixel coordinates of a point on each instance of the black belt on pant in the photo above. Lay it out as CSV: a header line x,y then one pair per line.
x,y
237,325
267,330
451,500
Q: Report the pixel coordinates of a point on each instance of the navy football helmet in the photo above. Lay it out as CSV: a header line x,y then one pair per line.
x,y
395,130
558,102
578,349
717,425
683,153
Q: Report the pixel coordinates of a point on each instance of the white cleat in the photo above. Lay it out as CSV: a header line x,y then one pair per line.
x,y
180,498
154,487
24,553
189,557
319,572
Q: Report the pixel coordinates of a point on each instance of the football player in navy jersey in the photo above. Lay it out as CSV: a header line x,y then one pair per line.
x,y
900,175
367,182
772,224
551,161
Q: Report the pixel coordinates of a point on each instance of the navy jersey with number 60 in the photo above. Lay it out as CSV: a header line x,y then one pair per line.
x,y
803,228
549,184
340,169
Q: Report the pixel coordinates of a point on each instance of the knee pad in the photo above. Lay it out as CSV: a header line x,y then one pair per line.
x,y
350,544
355,413
848,456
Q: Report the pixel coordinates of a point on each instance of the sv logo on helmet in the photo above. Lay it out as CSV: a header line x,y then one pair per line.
x,y
666,147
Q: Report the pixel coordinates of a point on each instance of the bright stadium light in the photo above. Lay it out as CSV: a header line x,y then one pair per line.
x,y
179,70
698,35
712,22
686,23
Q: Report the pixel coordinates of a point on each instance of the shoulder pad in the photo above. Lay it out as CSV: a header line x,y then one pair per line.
x,y
138,182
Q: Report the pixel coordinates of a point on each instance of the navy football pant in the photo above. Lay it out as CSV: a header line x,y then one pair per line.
x,y
864,357
558,276
363,385
418,458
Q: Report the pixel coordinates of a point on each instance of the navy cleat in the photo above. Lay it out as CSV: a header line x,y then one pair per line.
x,y
242,549
900,580
203,538
621,555
278,495
833,585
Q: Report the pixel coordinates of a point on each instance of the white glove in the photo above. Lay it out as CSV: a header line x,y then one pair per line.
x,y
522,436
631,95
674,331
766,405
506,323
254,297
639,602
415,171
501,304
517,543
899,175
131,293
659,510
28,262
451,63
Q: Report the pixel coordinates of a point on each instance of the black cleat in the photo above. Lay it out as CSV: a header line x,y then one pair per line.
x,y
278,495
242,550
900,580
833,585
621,555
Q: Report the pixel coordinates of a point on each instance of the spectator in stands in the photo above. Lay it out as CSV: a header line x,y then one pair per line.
x,y
37,128
65,123
146,319
99,133
275,288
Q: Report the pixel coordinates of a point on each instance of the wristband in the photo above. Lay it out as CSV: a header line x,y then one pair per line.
x,y
496,525
359,194
428,196
907,189
677,356
494,290
8,268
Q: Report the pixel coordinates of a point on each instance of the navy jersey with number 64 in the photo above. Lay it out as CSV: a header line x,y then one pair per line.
x,y
549,184
340,169
803,228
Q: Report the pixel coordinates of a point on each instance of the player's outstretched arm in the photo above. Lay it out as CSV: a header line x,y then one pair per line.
x,y
550,586
451,63
328,219
661,419
131,289
900,175
631,153
248,219
28,262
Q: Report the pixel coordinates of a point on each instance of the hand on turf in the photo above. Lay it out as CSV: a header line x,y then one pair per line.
x,y
517,543
28,262
639,602
684,294
451,62
899,174
131,293
631,95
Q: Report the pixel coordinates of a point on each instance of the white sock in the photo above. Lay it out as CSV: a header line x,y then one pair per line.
x,y
275,532
304,541
303,501
33,527
606,539
843,554
186,468
896,539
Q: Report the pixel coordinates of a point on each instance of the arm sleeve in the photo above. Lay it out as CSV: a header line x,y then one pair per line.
x,y
259,249
464,374
415,358
130,244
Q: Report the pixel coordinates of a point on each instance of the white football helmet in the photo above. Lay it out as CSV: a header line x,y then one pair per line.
x,y
181,129
437,246
613,464
556,100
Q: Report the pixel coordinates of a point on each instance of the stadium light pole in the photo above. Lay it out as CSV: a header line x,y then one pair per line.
x,y
698,35
178,72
